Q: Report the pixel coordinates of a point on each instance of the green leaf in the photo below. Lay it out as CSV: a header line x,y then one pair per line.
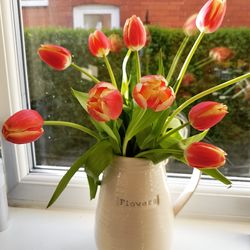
x,y
159,154
93,185
216,174
194,138
66,178
99,157
161,69
81,97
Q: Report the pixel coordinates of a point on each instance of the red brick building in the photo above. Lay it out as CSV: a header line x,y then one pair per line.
x,y
113,13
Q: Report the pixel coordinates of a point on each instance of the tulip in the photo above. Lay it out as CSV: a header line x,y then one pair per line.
x,y
23,127
221,54
134,33
104,102
116,43
211,16
189,26
152,92
99,44
188,79
206,114
55,56
204,155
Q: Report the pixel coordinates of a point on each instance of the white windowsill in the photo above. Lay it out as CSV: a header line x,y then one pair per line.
x,y
60,229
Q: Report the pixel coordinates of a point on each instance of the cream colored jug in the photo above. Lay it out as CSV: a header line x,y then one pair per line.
x,y
134,210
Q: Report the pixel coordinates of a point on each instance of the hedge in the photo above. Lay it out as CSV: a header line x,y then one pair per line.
x,y
50,91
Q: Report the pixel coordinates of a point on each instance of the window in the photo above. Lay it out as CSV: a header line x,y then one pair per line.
x,y
96,16
34,3
30,185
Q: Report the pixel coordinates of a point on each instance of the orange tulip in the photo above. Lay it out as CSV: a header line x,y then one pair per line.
x,y
206,114
23,127
152,92
211,16
221,54
105,102
55,56
134,33
204,155
189,26
116,43
99,44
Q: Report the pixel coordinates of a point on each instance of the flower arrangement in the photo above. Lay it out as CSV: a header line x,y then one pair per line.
x,y
136,119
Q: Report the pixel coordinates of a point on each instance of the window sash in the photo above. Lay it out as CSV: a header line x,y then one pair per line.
x,y
26,188
34,3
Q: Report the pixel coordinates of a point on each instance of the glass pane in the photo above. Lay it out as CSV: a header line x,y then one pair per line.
x,y
50,91
97,21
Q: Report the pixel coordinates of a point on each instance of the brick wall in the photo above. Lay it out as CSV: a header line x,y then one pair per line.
x,y
167,13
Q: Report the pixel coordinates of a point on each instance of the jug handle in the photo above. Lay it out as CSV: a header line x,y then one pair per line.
x,y
187,192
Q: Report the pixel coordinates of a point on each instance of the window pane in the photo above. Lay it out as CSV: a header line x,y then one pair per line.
x,y
50,91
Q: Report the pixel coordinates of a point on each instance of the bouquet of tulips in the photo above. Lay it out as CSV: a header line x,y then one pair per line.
x,y
135,119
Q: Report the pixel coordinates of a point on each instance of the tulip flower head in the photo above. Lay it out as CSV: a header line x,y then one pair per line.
x,y
211,16
99,44
206,114
134,33
204,155
116,43
221,54
23,127
189,26
152,92
105,102
55,56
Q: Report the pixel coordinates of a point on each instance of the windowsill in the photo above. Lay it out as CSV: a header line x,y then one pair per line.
x,y
60,229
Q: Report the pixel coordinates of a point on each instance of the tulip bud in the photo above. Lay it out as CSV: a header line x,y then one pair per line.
x,y
221,54
134,33
204,155
55,56
23,127
116,43
99,44
189,26
211,16
152,92
206,114
105,102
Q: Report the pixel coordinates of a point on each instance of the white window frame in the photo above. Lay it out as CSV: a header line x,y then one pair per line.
x,y
25,188
34,3
80,11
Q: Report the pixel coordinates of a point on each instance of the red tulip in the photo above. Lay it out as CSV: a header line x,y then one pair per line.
x,y
116,43
211,16
204,155
189,26
206,114
134,33
99,44
104,102
23,127
55,56
221,54
152,92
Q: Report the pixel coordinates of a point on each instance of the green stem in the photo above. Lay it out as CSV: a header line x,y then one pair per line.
x,y
203,64
128,135
201,61
172,131
202,94
177,58
187,61
138,67
160,150
85,72
72,125
124,88
111,74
